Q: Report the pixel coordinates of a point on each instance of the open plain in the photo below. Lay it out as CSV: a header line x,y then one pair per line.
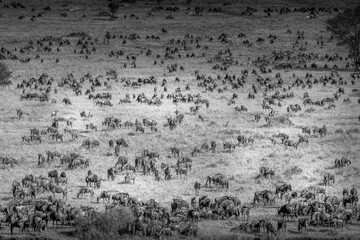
x,y
176,77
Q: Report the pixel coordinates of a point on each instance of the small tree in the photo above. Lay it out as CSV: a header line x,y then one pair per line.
x,y
113,7
346,26
159,2
4,75
108,36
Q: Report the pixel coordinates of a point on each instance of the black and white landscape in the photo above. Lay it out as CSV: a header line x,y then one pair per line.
x,y
179,119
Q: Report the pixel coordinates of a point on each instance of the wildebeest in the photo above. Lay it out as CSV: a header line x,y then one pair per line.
x,y
229,145
265,172
120,197
265,196
303,225
281,225
66,101
28,192
111,174
195,151
342,162
26,139
54,174
218,180
270,229
52,155
58,189
128,167
104,195
140,129
353,191
122,160
36,138
350,199
130,177
79,161
175,151
8,160
328,177
197,187
57,136
178,204
84,190
245,212
93,180
287,210
242,108
181,171
281,189
290,143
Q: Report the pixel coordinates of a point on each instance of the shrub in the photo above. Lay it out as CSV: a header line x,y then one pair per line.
x,y
4,75
104,226
113,7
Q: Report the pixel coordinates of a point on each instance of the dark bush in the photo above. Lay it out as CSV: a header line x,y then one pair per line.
x,y
113,7
104,226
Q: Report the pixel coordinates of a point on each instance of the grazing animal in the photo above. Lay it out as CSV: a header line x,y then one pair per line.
x,y
93,180
281,189
342,162
58,189
245,212
197,187
35,138
111,174
270,229
140,129
175,151
265,172
287,210
281,226
84,190
265,197
41,159
178,204
104,195
8,160
19,113
328,177
130,177
350,199
181,171
228,145
79,161
120,197
26,139
303,225
55,175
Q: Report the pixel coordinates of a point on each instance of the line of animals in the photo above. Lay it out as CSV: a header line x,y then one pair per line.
x,y
311,206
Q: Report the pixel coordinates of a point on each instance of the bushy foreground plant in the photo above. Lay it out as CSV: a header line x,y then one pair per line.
x,y
104,226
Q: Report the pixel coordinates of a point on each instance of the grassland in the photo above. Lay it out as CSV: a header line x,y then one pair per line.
x,y
221,123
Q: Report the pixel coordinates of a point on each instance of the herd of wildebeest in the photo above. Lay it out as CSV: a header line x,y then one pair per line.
x,y
311,206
